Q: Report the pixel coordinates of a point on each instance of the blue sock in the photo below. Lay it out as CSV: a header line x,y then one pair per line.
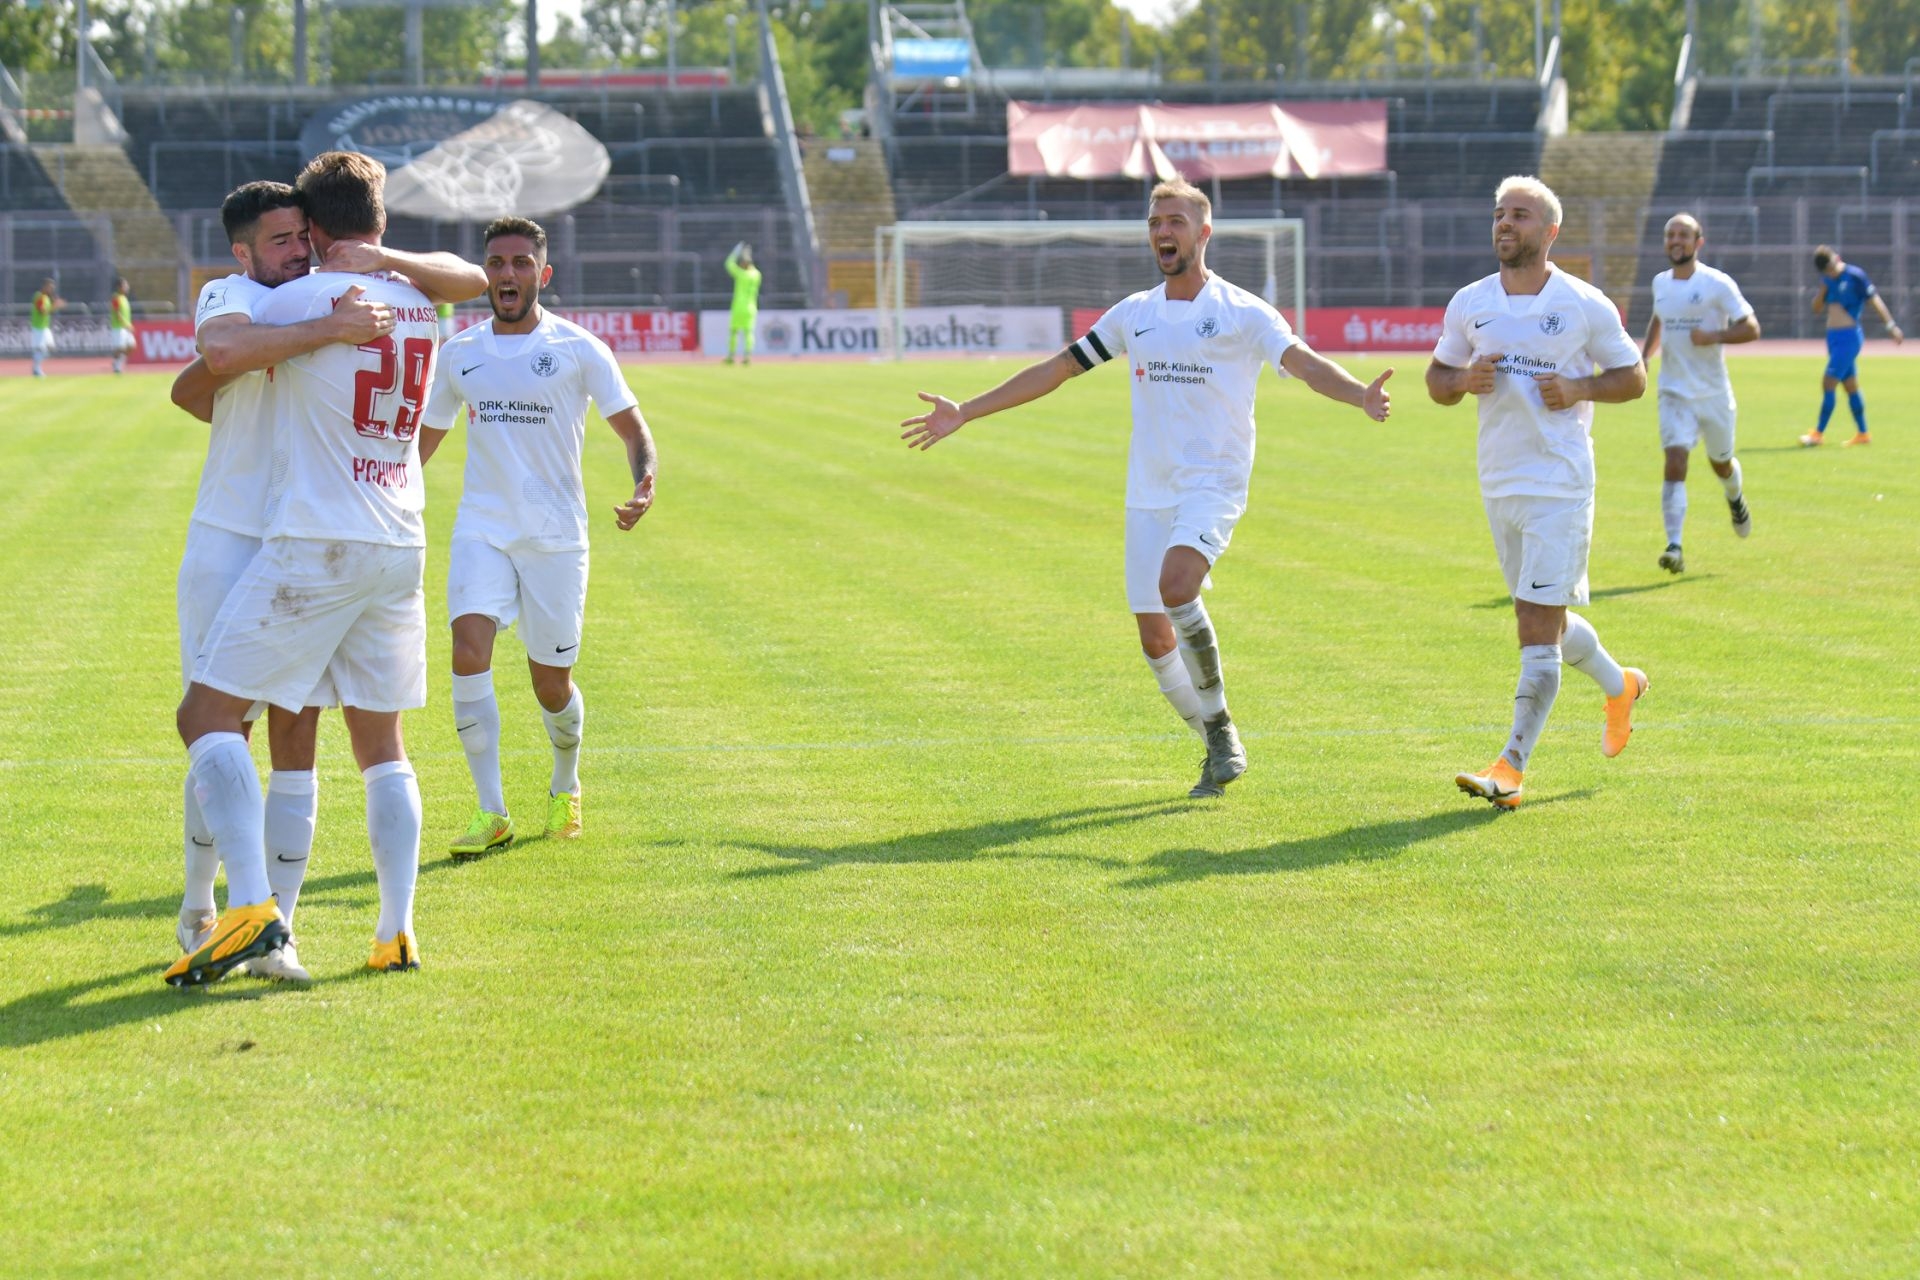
x,y
1826,410
1859,407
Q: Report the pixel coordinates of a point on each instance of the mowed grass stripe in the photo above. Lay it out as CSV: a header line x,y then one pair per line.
x,y
999,999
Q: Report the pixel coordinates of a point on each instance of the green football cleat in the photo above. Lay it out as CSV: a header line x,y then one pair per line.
x,y
487,832
563,817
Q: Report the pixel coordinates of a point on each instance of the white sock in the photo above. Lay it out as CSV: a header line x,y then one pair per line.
x,y
1177,684
1200,651
228,789
1731,481
1532,700
393,828
1580,648
563,730
293,800
202,857
1673,506
476,718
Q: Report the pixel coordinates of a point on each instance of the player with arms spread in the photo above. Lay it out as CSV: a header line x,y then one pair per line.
x,y
1196,345
1696,397
519,549
336,588
1537,348
1842,295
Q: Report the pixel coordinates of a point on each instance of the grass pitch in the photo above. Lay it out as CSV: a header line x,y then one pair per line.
x,y
894,947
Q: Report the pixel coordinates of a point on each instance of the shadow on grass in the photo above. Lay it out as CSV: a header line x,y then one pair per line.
x,y
960,844
1369,842
88,902
57,1014
1678,580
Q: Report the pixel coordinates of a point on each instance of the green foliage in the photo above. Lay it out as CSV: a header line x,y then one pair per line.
x,y
36,38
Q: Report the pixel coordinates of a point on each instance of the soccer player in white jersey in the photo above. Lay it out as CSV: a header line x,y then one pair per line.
x,y
227,387
1696,398
336,589
519,549
1195,345
267,230
1538,348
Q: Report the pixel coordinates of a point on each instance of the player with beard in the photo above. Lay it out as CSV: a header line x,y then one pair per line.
x,y
1696,398
228,386
1196,345
519,547
1537,348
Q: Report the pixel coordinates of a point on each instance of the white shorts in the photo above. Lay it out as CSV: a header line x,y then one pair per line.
x,y
40,339
1684,422
543,593
307,608
1204,521
1543,545
120,339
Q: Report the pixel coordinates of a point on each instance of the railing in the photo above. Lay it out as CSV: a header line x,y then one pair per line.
x,y
773,91
1885,135
1769,172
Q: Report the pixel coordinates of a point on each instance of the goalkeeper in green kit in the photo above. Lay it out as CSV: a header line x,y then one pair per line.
x,y
746,301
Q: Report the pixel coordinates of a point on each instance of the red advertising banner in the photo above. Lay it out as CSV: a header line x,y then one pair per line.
x,y
1374,328
163,342
1344,328
627,332
1224,140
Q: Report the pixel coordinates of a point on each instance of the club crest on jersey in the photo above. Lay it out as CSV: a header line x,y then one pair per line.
x,y
1552,323
545,365
1694,297
1207,327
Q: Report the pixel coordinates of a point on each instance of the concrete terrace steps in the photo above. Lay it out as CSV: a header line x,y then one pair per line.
x,y
1604,181
101,180
852,194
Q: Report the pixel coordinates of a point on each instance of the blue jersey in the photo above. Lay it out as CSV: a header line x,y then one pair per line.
x,y
1850,289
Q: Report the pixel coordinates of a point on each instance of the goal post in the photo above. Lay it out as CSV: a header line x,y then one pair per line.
x,y
1069,265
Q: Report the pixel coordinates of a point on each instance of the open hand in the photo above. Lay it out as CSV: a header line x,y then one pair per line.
x,y
628,513
361,320
355,256
928,429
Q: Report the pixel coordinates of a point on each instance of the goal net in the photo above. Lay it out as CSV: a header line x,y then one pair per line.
x,y
1066,266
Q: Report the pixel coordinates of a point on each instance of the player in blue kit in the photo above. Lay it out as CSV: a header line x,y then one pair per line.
x,y
1844,293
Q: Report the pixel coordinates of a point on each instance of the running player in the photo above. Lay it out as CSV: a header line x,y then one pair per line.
x,y
1842,295
746,301
1538,347
336,589
1696,398
1196,345
267,230
519,547
46,301
120,325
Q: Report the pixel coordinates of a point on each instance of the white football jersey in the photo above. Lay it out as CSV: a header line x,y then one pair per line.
x,y
233,483
345,462
526,396
1709,299
1569,328
1195,368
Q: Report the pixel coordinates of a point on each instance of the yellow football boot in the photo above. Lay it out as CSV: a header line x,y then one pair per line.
x,y
563,817
487,832
395,955
237,937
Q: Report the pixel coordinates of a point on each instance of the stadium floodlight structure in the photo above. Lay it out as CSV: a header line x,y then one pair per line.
x,y
1069,265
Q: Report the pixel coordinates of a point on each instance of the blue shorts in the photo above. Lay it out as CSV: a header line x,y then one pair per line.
x,y
1843,352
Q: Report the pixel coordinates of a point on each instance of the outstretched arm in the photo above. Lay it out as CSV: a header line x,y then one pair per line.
x,y
1335,383
443,277
641,461
233,344
946,417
